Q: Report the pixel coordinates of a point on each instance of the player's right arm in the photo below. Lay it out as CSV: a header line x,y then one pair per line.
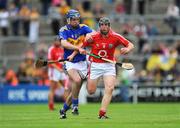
x,y
63,37
88,42
89,38
80,50
68,45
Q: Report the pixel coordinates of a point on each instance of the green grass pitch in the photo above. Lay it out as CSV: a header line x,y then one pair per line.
x,y
164,115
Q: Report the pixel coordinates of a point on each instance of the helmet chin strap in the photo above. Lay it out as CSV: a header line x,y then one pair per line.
x,y
68,20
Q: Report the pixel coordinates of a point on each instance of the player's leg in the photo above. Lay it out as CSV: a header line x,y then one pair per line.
x,y
73,97
95,73
54,78
76,86
66,105
92,85
75,72
109,83
67,96
53,86
67,87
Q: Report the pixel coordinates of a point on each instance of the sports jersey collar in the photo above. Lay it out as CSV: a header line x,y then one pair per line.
x,y
55,46
70,27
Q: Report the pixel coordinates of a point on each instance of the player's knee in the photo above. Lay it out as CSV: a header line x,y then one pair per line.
x,y
91,92
77,81
110,89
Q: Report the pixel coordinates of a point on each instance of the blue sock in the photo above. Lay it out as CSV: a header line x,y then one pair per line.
x,y
66,107
75,102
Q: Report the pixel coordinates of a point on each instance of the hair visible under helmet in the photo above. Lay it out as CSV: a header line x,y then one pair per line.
x,y
104,20
56,38
72,14
57,41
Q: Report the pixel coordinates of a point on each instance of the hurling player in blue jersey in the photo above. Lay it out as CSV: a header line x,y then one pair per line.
x,y
72,36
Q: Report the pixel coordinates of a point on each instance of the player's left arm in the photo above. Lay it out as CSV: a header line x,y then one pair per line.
x,y
128,46
71,57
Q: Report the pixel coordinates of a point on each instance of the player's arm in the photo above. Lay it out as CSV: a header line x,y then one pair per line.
x,y
71,57
56,67
76,49
75,52
51,57
128,46
88,42
68,45
89,36
63,36
88,39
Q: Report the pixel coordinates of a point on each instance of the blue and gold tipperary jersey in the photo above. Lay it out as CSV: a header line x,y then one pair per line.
x,y
75,37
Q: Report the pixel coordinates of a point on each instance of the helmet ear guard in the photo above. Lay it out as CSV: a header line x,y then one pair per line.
x,y
68,20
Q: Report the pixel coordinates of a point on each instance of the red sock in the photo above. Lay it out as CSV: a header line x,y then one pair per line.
x,y
102,112
51,106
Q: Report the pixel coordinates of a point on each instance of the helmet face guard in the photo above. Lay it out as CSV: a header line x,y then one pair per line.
x,y
104,20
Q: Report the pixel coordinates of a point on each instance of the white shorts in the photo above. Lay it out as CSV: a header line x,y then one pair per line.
x,y
56,75
80,66
101,69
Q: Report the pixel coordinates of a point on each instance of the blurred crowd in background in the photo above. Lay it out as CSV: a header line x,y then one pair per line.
x,y
160,58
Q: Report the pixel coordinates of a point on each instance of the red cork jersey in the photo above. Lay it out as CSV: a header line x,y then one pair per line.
x,y
55,53
105,46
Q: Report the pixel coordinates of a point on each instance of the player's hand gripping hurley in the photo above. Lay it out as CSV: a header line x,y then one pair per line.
x,y
41,63
127,66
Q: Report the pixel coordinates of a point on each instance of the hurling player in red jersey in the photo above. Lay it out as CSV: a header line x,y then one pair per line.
x,y
103,43
55,71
